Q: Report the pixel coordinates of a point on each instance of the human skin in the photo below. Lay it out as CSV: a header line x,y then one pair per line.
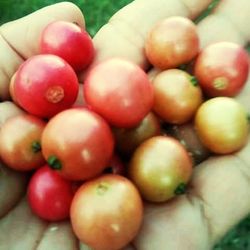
x,y
218,197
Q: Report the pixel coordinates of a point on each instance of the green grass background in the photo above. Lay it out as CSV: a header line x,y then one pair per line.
x,y
97,12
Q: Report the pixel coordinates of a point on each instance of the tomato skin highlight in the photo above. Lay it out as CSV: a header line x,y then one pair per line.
x,y
159,167
50,195
77,143
119,91
222,69
20,138
68,41
44,85
177,96
171,42
222,125
107,212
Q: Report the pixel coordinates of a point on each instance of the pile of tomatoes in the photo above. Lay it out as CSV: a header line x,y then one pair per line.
x,y
96,151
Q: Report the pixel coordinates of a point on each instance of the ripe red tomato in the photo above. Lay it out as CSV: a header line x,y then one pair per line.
x,y
45,85
119,91
68,41
127,140
222,125
160,168
77,143
50,195
106,213
172,42
177,96
222,69
20,142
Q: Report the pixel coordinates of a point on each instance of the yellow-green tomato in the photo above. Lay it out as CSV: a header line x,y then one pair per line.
x,y
160,168
222,125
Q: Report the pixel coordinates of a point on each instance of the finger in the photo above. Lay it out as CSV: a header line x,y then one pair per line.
x,y
12,188
124,35
58,236
20,229
20,39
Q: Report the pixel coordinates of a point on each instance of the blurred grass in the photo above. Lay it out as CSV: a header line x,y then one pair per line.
x,y
97,12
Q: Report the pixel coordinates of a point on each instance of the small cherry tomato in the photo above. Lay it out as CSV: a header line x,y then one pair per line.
x,y
222,125
119,91
222,69
177,96
106,212
77,143
127,140
172,42
50,195
160,168
44,85
68,41
20,142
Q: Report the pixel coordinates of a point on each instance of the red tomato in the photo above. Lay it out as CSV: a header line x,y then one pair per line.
x,y
222,69
77,143
177,96
222,125
50,195
68,41
172,42
127,140
119,91
20,142
106,213
160,168
45,85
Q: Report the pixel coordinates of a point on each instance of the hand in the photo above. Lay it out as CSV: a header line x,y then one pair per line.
x,y
219,194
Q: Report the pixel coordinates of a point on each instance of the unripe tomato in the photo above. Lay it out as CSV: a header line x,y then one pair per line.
x,y
222,69
119,91
20,142
44,85
177,96
160,168
107,212
68,41
50,195
222,125
172,42
78,143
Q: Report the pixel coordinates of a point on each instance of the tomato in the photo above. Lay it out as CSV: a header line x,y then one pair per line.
x,y
50,195
172,42
77,143
222,125
115,166
106,212
177,96
160,168
222,69
68,41
45,85
119,91
127,140
20,142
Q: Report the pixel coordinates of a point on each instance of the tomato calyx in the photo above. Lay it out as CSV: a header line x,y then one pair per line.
x,y
36,146
220,83
181,189
102,188
54,94
54,162
194,81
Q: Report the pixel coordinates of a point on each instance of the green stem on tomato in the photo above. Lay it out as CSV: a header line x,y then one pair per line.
x,y
54,162
36,146
194,81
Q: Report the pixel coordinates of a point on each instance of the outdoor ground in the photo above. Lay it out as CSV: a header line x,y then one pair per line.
x,y
97,12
